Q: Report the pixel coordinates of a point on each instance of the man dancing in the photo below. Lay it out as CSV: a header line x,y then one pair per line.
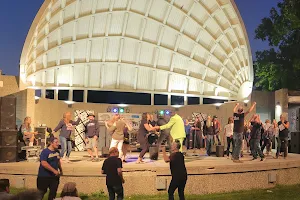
x,y
116,127
92,134
238,128
177,128
164,134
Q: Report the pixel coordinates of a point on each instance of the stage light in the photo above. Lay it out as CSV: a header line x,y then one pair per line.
x,y
167,112
69,102
122,105
246,101
115,110
177,106
161,112
121,110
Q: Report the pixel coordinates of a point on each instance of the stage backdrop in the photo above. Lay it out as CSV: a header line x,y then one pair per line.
x,y
79,130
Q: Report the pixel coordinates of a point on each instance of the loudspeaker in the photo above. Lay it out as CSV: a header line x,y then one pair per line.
x,y
8,138
8,113
41,136
295,143
298,119
220,151
105,152
8,154
153,151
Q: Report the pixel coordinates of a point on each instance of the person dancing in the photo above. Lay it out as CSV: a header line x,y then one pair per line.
x,y
238,128
92,135
228,132
176,125
197,134
142,136
66,127
178,170
126,143
283,126
208,132
116,128
164,134
256,130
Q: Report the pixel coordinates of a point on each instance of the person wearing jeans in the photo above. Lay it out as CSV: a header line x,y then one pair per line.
x,y
238,129
112,167
50,170
256,131
66,127
208,132
283,127
228,132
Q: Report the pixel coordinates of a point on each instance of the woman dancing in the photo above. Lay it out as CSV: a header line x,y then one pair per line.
x,y
66,127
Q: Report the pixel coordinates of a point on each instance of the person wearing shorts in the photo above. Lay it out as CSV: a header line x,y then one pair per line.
x,y
92,134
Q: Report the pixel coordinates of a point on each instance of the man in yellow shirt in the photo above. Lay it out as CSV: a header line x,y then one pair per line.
x,y
176,125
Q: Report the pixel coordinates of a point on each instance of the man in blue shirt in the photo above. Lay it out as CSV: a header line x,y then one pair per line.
x,y
50,170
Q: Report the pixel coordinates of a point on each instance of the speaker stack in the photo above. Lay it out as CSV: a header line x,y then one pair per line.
x,y
8,132
295,143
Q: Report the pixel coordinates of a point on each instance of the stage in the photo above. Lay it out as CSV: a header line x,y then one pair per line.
x,y
206,174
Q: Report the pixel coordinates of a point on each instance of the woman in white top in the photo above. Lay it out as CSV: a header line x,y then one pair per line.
x,y
228,132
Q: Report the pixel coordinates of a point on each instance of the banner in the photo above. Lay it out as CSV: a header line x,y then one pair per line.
x,y
131,117
79,129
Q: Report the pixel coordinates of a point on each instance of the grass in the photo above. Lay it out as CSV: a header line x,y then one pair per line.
x,y
278,193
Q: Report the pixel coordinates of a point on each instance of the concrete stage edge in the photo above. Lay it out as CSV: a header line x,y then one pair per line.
x,y
206,174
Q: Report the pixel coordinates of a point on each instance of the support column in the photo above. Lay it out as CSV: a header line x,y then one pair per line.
x,y
85,96
56,94
185,100
43,93
70,95
169,100
152,99
200,100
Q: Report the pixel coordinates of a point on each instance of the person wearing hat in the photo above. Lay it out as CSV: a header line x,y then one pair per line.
x,y
69,192
91,137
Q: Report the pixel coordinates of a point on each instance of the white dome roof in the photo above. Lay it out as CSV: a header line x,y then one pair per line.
x,y
183,47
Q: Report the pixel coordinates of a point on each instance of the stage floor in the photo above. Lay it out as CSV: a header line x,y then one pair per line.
x,y
196,163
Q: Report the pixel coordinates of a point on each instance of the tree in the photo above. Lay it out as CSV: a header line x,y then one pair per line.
x,y
279,67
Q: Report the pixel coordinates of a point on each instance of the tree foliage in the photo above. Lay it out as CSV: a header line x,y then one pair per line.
x,y
279,67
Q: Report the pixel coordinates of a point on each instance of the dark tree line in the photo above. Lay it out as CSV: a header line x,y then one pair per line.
x,y
279,67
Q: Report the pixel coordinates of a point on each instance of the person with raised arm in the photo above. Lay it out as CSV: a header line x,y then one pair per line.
x,y
66,127
255,135
238,128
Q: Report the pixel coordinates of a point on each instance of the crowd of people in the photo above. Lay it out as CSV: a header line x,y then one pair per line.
x,y
239,135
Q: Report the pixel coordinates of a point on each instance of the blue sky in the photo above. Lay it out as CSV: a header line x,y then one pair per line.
x,y
15,21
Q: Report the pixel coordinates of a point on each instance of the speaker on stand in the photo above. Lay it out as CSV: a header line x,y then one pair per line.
x,y
8,132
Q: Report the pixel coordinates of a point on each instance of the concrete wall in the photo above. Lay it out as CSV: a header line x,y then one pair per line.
x,y
265,104
196,184
10,85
